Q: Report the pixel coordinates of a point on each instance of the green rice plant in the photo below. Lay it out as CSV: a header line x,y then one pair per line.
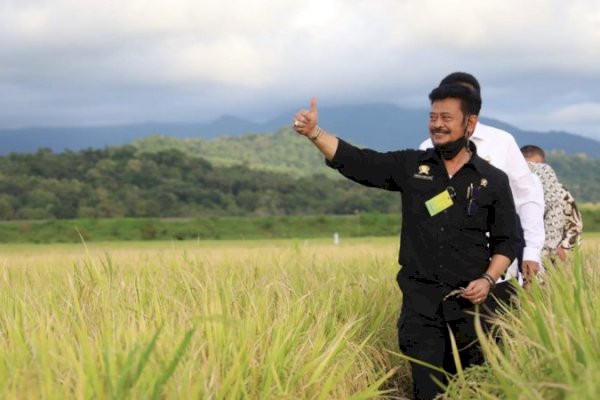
x,y
236,320
263,320
550,346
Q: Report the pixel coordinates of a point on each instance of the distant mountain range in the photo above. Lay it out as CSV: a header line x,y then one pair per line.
x,y
379,126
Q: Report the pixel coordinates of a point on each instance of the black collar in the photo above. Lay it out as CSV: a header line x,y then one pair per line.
x,y
431,155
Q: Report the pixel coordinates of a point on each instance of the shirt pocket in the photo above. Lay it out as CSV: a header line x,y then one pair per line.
x,y
419,191
477,211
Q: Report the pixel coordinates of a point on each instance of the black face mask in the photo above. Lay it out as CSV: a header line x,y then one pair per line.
x,y
449,150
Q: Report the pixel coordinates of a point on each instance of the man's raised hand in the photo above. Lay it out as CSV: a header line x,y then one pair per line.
x,y
305,121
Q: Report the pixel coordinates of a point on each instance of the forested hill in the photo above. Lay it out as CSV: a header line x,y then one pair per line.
x,y
285,151
275,174
124,182
282,151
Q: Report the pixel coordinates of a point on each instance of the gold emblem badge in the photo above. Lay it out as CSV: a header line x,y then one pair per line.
x,y
424,169
483,182
488,159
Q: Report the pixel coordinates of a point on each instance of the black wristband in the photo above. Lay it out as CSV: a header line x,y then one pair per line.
x,y
490,280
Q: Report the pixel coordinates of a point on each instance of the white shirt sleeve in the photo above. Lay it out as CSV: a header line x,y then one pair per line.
x,y
528,194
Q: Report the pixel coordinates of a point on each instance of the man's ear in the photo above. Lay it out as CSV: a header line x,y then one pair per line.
x,y
471,124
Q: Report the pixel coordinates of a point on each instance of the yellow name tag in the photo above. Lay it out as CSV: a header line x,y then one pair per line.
x,y
439,203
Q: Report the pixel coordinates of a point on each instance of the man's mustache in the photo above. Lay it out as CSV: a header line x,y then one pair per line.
x,y
439,130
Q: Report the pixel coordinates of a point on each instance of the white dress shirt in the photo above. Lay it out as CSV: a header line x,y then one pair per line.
x,y
500,149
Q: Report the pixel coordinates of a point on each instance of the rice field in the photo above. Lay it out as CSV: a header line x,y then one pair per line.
x,y
198,320
283,319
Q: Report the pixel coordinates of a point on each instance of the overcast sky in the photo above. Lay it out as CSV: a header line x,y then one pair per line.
x,y
89,62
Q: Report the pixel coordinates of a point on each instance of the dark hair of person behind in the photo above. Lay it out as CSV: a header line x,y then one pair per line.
x,y
463,78
470,101
533,150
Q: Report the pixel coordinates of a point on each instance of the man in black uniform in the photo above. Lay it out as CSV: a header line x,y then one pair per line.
x,y
458,228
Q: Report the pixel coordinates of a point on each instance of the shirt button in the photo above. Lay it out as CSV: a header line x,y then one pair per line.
x,y
442,229
441,246
441,266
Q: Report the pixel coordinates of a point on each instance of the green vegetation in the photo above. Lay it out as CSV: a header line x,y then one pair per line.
x,y
270,319
579,173
274,174
284,151
549,348
123,182
290,321
128,229
590,213
213,228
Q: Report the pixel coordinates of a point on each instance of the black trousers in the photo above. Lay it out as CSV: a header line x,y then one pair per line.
x,y
427,338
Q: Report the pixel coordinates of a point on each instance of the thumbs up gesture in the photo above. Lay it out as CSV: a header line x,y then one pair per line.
x,y
305,121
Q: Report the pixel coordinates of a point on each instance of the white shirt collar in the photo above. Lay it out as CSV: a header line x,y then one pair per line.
x,y
476,135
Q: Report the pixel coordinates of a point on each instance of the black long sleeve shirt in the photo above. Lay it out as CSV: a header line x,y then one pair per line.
x,y
454,246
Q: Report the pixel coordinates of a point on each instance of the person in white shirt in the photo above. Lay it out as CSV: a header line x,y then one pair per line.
x,y
500,149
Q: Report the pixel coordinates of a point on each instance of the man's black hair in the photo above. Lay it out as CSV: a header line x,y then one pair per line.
x,y
470,102
533,150
463,78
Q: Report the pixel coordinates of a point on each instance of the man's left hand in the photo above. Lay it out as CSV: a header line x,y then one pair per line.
x,y
477,291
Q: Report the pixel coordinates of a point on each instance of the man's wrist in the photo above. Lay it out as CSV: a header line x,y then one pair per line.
x,y
315,133
490,279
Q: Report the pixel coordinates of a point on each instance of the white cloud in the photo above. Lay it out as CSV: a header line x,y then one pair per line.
x,y
577,113
230,55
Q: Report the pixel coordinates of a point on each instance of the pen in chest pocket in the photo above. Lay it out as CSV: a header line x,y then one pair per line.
x,y
472,196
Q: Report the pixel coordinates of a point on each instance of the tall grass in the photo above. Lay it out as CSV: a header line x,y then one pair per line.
x,y
263,320
270,321
550,347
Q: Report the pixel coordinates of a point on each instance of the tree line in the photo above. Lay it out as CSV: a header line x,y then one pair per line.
x,y
125,182
135,181
285,151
